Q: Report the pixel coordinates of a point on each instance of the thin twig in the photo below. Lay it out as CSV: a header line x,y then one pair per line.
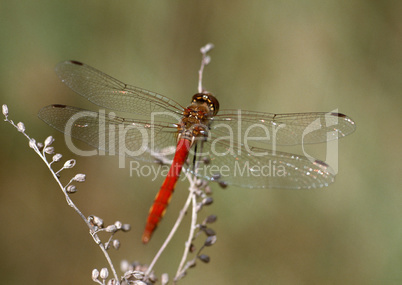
x,y
204,61
191,234
42,155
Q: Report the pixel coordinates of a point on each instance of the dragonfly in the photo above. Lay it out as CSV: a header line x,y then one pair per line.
x,y
237,147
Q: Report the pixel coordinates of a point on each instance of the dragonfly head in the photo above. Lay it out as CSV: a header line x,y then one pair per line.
x,y
208,99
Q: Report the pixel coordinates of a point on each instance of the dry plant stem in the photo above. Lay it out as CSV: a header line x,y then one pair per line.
x,y
193,228
176,225
69,201
204,61
200,72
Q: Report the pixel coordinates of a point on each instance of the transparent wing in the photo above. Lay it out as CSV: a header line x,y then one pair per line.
x,y
133,138
260,168
231,163
106,91
283,129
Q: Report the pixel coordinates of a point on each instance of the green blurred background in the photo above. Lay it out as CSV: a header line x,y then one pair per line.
x,y
273,56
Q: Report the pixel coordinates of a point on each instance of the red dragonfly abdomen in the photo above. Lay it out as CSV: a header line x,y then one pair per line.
x,y
165,193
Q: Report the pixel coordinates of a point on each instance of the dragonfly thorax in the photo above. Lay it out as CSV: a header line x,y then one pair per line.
x,y
196,117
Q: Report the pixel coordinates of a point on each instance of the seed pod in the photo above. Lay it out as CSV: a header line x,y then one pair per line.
x,y
57,157
69,163
79,177
210,240
21,127
209,232
95,274
211,219
111,229
49,150
71,189
32,143
207,201
5,110
49,140
223,184
116,244
104,273
164,278
96,221
126,227
118,225
204,258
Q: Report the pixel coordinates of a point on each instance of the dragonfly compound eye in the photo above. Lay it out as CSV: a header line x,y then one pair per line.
x,y
209,99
